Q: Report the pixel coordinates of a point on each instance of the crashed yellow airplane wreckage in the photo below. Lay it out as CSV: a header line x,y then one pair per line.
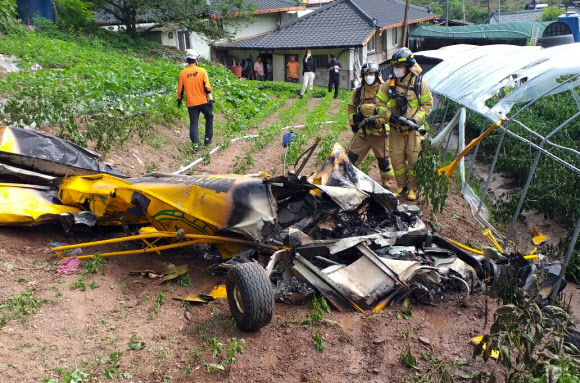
x,y
337,231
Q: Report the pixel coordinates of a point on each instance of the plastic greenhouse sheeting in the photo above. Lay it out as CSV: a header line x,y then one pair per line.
x,y
504,31
527,72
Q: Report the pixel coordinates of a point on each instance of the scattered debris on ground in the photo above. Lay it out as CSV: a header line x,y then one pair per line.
x,y
336,231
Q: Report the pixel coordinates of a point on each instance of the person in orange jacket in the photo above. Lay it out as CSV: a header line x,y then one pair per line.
x,y
194,83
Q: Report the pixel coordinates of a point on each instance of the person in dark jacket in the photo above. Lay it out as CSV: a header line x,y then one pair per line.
x,y
333,68
308,68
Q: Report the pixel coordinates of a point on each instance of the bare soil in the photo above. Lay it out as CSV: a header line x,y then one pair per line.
x,y
82,328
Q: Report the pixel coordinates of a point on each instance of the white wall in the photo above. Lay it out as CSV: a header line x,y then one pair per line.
x,y
264,23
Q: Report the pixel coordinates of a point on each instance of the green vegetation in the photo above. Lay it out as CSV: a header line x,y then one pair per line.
x,y
8,16
91,265
158,303
554,188
19,307
319,306
135,344
433,187
531,343
550,14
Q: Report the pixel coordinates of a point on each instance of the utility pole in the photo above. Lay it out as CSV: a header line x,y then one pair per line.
x,y
498,10
406,22
447,13
488,11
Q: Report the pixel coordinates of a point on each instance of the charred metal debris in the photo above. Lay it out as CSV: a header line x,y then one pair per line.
x,y
336,231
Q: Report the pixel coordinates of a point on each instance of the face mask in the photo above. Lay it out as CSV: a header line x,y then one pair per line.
x,y
399,72
370,80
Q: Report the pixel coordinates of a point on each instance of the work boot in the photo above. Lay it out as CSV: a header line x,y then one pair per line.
x,y
401,192
411,196
207,141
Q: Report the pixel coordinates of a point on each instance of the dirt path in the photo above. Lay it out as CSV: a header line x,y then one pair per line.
x,y
86,325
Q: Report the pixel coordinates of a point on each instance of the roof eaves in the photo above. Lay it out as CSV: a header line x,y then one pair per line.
x,y
297,8
410,22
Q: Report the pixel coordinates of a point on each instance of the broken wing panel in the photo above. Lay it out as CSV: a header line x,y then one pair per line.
x,y
49,154
30,205
348,186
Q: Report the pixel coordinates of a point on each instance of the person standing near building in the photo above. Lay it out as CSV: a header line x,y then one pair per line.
x,y
194,83
259,69
374,134
308,67
293,70
333,68
269,70
405,101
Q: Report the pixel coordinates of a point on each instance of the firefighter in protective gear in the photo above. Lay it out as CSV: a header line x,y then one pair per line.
x,y
374,134
405,101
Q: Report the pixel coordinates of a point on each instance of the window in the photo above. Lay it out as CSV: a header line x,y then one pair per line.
x,y
395,37
183,40
371,45
320,61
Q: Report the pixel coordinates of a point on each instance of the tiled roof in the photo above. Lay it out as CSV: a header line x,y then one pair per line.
x,y
343,23
264,5
389,13
337,24
516,17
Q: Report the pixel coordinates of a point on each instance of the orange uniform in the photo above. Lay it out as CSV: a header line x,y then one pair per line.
x,y
194,82
293,69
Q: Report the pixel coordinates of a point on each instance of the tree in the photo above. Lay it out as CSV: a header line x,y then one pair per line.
x,y
550,14
74,13
206,18
126,11
568,3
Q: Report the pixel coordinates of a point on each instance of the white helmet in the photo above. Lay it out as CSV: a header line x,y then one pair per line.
x,y
191,54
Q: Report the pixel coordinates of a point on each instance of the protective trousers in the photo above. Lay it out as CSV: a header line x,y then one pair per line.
x,y
405,151
360,145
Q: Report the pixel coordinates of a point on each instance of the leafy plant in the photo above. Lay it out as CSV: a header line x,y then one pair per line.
x,y
8,15
91,265
431,185
236,346
160,301
319,306
135,344
318,341
19,307
531,337
407,358
184,280
406,312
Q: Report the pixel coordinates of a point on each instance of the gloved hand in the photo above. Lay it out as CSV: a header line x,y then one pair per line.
x,y
368,109
394,118
179,103
358,118
354,128
210,103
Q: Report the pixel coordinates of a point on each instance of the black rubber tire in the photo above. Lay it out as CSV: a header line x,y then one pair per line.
x,y
249,283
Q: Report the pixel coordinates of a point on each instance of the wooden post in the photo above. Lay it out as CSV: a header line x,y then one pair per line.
x,y
406,23
446,13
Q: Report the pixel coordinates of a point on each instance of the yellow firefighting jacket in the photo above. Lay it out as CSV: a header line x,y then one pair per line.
x,y
386,106
367,103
